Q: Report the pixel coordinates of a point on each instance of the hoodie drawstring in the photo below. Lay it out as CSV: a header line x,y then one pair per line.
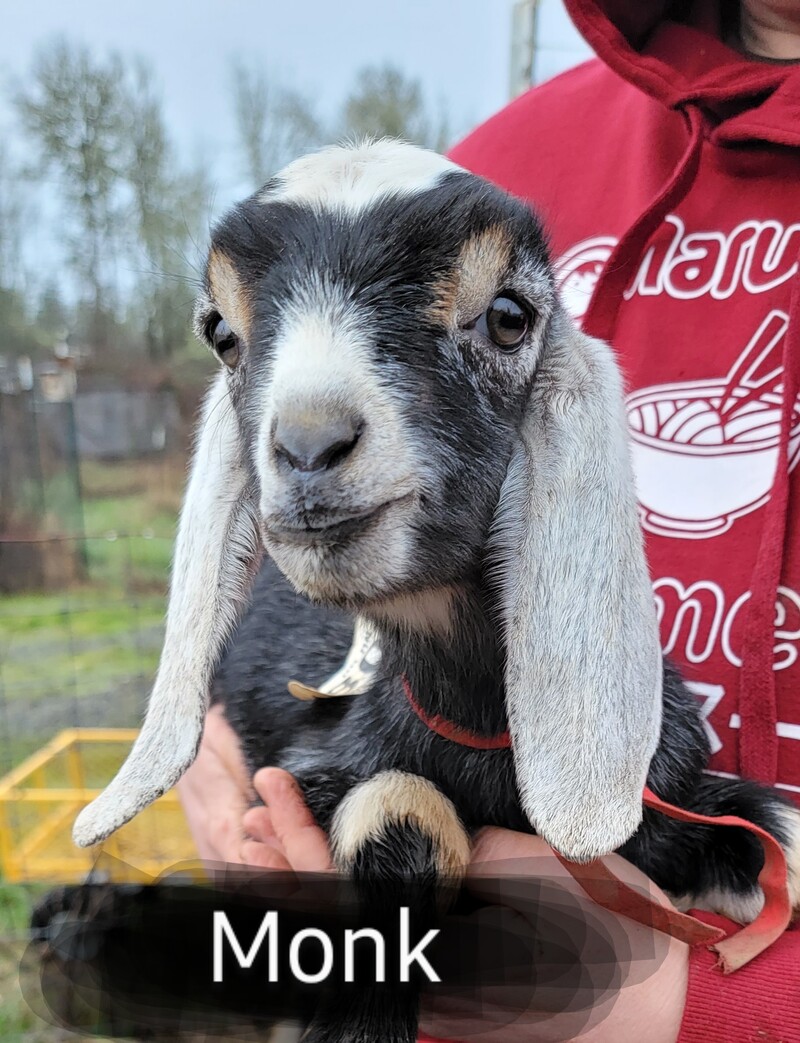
x,y
758,706
601,315
758,740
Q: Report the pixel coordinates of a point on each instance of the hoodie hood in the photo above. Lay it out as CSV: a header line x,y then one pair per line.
x,y
667,172
674,52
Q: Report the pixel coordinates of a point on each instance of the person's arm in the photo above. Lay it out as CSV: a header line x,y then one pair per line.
x,y
759,1002
283,835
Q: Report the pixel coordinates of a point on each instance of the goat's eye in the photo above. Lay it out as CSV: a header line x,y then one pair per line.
x,y
225,342
505,323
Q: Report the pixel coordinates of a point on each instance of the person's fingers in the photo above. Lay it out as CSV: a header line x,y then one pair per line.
x,y
214,793
301,840
258,830
651,1001
264,856
257,824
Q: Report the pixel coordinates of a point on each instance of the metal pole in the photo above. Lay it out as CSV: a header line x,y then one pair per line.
x,y
524,32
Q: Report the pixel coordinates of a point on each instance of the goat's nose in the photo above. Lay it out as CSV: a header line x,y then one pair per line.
x,y
315,443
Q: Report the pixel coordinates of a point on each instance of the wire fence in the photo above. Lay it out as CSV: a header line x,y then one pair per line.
x,y
89,492
90,484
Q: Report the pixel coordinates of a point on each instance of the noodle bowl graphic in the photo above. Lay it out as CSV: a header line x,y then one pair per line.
x,y
693,477
705,452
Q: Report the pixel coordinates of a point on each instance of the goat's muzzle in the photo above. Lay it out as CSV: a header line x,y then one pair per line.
x,y
312,442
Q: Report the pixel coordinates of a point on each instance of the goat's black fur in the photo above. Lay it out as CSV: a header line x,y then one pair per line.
x,y
472,409
393,286
331,744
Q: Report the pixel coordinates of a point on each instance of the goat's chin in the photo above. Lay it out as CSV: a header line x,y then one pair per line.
x,y
351,573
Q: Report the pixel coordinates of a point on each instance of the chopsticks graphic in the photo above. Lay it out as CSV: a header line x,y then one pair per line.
x,y
758,370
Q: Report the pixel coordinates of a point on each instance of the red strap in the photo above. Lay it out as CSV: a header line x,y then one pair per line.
x,y
607,890
734,950
453,732
739,948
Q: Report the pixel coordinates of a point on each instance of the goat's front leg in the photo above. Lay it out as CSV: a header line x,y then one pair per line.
x,y
404,845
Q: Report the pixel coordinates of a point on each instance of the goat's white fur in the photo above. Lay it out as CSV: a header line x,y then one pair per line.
x,y
216,553
324,363
398,798
357,177
584,664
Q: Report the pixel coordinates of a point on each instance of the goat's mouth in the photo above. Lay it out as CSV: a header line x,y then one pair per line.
x,y
341,556
324,529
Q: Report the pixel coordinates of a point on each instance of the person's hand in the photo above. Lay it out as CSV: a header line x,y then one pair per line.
x,y
283,834
652,1009
216,793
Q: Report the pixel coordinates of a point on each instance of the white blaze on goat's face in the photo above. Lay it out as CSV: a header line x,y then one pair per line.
x,y
324,366
354,282
358,284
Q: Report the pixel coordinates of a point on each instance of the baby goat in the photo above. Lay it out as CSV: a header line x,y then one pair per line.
x,y
409,424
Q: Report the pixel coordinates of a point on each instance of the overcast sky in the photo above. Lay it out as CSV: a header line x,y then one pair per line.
x,y
459,48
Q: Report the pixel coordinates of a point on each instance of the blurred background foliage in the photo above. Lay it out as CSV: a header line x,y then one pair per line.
x,y
105,210
103,224
132,214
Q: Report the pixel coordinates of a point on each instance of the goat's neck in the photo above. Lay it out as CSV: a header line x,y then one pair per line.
x,y
454,670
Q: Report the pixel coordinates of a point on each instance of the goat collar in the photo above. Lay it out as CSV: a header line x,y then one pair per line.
x,y
454,732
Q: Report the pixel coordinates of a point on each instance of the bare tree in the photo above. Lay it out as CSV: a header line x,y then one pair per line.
x,y
74,112
12,214
274,124
384,102
52,314
20,333
167,209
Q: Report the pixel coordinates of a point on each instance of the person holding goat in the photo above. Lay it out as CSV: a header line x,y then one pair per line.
x,y
666,172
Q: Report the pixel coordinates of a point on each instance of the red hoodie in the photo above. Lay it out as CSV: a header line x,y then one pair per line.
x,y
668,173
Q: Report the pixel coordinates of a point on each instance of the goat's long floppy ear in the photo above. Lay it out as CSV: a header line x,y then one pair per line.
x,y
216,554
583,657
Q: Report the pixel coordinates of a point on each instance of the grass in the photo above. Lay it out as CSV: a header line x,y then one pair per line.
x,y
81,643
18,1023
85,656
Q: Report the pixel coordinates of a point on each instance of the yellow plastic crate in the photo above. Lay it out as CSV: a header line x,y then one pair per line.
x,y
40,798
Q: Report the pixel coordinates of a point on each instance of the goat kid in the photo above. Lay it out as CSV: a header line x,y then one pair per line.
x,y
406,420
